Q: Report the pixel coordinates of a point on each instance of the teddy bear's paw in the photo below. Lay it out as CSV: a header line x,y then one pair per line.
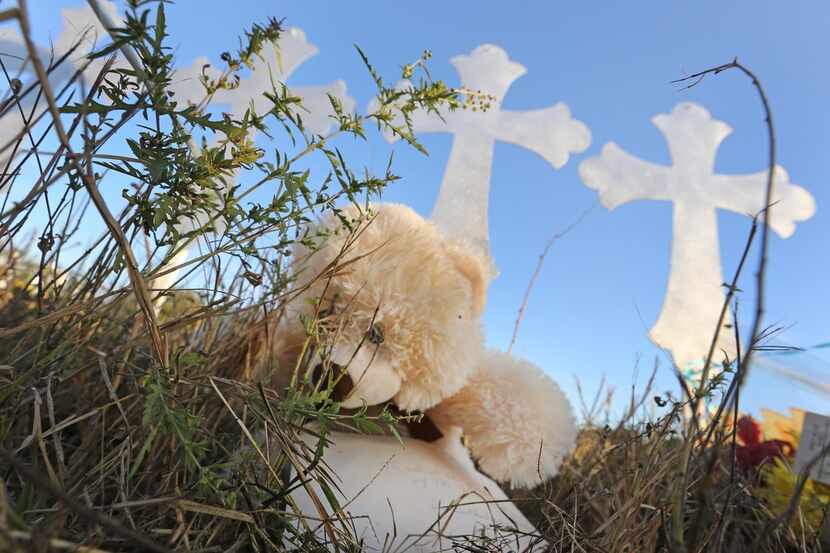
x,y
516,420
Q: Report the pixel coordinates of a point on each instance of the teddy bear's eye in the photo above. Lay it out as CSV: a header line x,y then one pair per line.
x,y
375,334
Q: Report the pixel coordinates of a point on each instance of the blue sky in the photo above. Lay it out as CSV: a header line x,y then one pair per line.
x,y
612,63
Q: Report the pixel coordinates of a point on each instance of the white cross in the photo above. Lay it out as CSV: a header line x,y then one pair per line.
x,y
274,67
462,206
694,296
81,24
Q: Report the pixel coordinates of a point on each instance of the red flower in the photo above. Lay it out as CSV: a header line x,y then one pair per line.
x,y
754,452
748,430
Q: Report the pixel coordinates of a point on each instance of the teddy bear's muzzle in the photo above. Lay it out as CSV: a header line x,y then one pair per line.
x,y
373,378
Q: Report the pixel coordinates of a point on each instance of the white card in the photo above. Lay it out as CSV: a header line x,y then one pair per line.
x,y
815,435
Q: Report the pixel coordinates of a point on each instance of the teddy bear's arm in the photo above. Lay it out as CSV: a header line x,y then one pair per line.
x,y
517,422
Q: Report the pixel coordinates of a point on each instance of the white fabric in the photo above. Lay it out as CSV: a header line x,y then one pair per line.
x,y
416,497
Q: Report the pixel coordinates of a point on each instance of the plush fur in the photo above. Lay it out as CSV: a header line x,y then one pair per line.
x,y
406,302
517,422
400,309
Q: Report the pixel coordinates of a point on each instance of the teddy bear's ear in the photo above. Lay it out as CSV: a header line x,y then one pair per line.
x,y
478,270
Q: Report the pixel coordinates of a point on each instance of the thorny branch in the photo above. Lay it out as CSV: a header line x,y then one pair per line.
x,y
677,533
766,212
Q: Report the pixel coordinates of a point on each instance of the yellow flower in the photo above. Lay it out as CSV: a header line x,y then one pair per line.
x,y
780,486
777,426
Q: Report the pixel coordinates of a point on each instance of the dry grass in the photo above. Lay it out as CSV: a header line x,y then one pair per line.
x,y
77,415
615,494
120,427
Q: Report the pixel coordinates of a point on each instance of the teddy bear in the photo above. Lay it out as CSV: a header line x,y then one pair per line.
x,y
397,308
404,305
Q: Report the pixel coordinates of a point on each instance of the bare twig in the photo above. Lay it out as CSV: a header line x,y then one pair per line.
x,y
109,25
55,543
553,239
766,212
677,531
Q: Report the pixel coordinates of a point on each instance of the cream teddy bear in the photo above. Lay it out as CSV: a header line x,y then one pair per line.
x,y
401,308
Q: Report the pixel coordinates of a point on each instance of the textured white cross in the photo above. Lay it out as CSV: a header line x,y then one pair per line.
x,y
275,66
80,24
462,206
694,296
271,69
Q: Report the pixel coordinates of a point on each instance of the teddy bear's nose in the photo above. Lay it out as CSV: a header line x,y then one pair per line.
x,y
375,334
343,385
342,381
